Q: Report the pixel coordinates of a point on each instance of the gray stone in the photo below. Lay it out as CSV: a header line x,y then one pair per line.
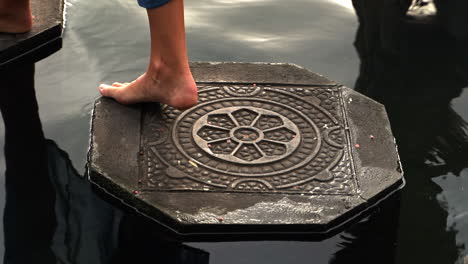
x,y
44,39
270,148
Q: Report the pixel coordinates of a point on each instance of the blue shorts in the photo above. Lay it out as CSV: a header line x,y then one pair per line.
x,y
152,3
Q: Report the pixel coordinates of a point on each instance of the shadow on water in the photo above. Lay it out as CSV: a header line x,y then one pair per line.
x,y
52,214
29,193
414,60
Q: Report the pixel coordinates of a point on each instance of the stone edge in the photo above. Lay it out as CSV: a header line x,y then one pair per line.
x,y
27,50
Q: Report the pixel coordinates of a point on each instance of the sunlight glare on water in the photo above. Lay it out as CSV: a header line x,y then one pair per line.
x,y
347,4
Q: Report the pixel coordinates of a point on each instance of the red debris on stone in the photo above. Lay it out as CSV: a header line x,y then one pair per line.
x,y
372,137
254,85
357,145
136,192
220,219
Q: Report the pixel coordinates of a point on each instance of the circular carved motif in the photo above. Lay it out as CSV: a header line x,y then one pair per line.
x,y
247,135
286,139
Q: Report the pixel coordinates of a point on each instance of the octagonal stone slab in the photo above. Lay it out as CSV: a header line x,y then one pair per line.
x,y
269,148
44,39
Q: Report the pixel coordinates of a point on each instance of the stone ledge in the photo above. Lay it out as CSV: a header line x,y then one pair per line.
x,y
43,40
337,159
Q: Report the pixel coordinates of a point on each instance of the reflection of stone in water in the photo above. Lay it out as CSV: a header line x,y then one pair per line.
x,y
422,8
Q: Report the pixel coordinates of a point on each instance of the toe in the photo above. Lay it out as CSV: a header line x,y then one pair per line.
x,y
122,94
108,90
117,84
102,88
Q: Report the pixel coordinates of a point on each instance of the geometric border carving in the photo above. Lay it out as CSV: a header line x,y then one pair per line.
x,y
259,138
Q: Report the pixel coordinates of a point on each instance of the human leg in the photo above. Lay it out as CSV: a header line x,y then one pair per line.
x,y
15,16
168,78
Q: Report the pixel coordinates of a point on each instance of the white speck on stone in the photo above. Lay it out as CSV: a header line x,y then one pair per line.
x,y
193,163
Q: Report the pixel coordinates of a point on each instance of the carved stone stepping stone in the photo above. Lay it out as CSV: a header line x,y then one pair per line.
x,y
269,148
44,39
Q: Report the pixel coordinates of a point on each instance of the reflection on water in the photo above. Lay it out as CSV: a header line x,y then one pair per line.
x,y
52,214
415,66
29,194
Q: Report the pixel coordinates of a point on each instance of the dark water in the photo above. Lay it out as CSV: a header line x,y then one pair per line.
x,y
420,75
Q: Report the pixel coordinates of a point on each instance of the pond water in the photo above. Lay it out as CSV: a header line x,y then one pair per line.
x,y
107,40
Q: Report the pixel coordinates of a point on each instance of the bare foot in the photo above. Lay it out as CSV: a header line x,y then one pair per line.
x,y
15,21
176,89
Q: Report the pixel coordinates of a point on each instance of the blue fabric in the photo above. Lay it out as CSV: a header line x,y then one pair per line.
x,y
152,3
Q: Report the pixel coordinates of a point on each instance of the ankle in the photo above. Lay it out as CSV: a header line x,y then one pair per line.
x,y
161,67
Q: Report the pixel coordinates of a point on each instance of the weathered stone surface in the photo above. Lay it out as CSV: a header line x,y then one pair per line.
x,y
43,40
241,72
259,153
